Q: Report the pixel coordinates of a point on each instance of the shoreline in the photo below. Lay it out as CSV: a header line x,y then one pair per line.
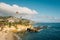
x,y
9,33
7,36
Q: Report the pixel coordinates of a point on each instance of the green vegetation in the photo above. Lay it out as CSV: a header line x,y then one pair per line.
x,y
6,20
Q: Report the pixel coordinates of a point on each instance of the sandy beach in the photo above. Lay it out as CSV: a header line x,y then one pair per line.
x,y
8,36
10,33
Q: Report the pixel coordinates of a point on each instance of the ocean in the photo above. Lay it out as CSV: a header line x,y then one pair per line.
x,y
51,33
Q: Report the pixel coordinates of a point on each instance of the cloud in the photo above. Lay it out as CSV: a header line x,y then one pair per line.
x,y
46,18
15,10
6,9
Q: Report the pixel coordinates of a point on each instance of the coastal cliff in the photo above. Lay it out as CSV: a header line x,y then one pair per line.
x,y
9,26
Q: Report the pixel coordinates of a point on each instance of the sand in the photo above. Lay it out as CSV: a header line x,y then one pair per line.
x,y
7,33
7,36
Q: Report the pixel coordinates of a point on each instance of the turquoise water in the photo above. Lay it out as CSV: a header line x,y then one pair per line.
x,y
51,33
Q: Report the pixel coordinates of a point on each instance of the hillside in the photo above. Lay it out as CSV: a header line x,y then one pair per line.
x,y
14,24
11,19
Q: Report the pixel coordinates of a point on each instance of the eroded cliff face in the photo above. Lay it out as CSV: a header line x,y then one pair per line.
x,y
9,26
8,36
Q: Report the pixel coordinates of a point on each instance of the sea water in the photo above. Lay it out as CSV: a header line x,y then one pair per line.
x,y
51,33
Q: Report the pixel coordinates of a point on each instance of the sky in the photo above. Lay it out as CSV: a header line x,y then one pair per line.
x,y
36,10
